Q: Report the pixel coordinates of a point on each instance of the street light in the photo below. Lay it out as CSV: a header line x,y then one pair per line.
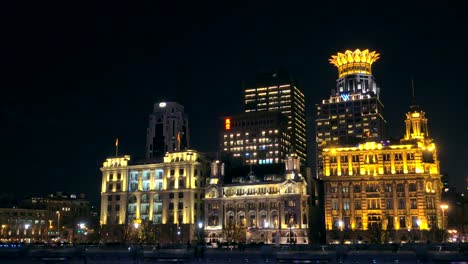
x,y
200,230
58,223
418,222
340,225
443,207
291,221
26,227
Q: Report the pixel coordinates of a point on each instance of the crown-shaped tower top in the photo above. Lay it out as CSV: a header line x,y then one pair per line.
x,y
352,62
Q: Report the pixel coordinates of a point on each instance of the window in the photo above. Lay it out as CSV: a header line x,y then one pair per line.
x,y
358,222
412,187
181,183
109,198
118,187
345,204
402,222
389,204
119,176
390,222
345,189
109,208
171,206
335,205
181,195
400,187
413,203
172,172
388,188
372,187
171,195
109,187
357,204
414,222
373,204
401,203
430,202
117,207
117,197
181,172
357,188
180,206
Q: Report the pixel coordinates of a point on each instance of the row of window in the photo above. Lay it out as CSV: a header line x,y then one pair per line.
x,y
375,203
374,187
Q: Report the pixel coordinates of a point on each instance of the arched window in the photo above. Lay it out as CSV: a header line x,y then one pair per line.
x,y
264,220
274,219
252,219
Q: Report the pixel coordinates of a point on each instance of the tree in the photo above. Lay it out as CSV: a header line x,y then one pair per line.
x,y
234,233
377,234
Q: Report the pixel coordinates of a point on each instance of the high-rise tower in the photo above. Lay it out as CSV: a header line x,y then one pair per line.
x,y
354,112
167,130
278,92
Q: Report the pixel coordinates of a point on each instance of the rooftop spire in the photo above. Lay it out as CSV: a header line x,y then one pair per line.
x,y
413,104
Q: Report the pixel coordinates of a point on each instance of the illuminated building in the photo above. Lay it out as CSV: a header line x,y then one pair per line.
x,y
270,209
381,185
278,92
354,111
167,130
256,138
163,198
66,208
24,225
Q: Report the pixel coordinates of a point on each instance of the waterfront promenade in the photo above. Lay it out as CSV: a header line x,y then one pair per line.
x,y
410,253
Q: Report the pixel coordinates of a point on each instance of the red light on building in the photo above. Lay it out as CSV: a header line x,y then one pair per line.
x,y
227,123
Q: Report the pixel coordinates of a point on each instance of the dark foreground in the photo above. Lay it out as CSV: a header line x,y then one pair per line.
x,y
416,253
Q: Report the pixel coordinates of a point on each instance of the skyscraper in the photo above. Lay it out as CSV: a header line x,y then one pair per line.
x,y
354,111
167,130
256,138
278,92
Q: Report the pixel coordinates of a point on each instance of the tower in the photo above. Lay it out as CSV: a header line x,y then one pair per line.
x,y
167,130
353,113
278,92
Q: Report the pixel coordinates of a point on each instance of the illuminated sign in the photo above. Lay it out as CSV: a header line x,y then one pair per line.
x,y
345,97
227,123
163,104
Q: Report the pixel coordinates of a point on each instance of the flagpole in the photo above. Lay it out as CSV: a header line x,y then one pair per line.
x,y
117,147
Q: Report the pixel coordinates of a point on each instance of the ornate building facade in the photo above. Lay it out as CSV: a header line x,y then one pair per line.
x,y
273,209
383,187
153,201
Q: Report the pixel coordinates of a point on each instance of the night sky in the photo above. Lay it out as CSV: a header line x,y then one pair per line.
x,y
76,76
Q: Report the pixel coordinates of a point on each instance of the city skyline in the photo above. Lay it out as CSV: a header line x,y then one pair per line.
x,y
78,84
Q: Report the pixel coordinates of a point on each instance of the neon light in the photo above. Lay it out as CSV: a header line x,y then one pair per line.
x,y
345,97
227,124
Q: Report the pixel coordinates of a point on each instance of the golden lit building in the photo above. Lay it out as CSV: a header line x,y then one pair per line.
x,y
394,187
162,199
353,112
273,209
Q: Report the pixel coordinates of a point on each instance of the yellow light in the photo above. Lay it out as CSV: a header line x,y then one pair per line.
x,y
227,124
415,114
352,62
444,206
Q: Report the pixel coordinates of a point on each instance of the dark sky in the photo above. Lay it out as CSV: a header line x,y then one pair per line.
x,y
75,76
